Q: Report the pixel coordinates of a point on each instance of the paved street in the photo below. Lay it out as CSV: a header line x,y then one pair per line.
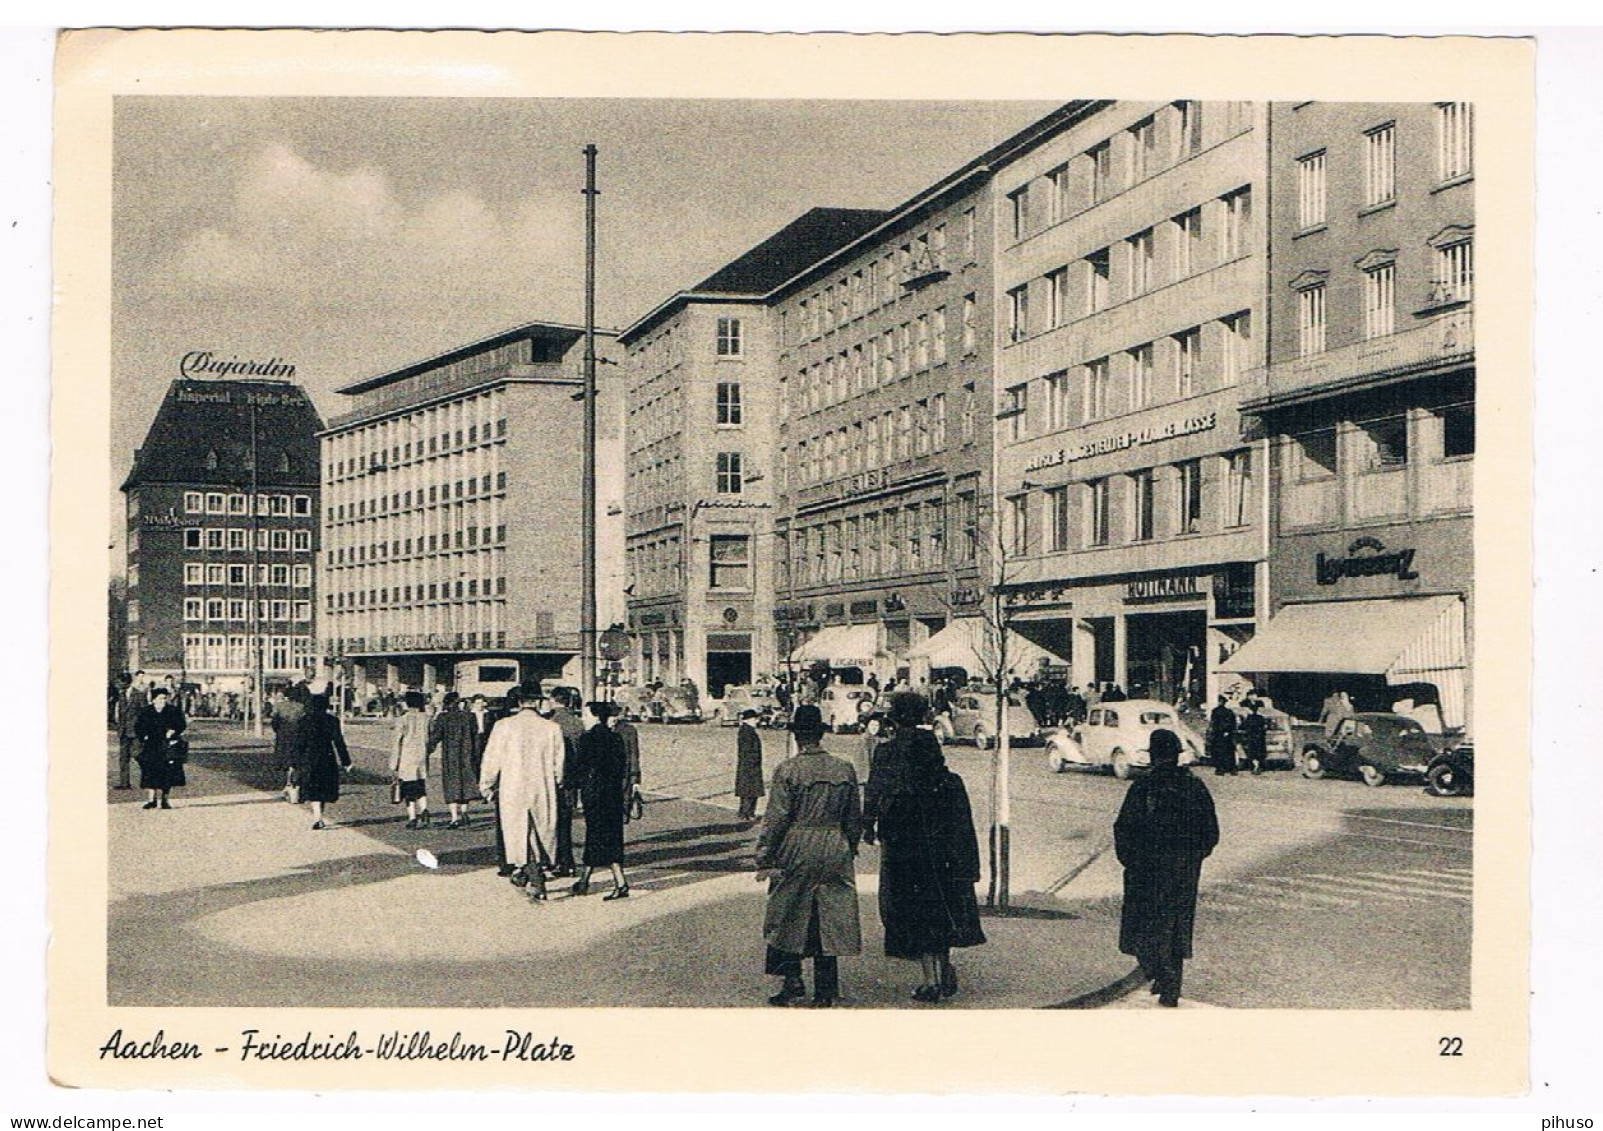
x,y
1321,895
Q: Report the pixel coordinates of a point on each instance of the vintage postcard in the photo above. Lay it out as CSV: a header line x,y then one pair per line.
x,y
986,559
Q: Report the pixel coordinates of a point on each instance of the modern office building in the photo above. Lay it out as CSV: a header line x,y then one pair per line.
x,y
222,532
1129,287
702,427
451,511
1369,396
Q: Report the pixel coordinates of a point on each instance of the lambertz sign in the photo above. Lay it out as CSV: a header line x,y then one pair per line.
x,y
1119,441
1366,557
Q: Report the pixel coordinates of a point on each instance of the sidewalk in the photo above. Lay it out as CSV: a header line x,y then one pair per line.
x,y
236,901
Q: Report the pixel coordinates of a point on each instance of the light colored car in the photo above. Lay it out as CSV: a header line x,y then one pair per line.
x,y
839,705
1117,735
744,697
974,719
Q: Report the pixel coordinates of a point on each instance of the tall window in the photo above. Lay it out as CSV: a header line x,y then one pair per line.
x,y
730,342
1143,257
938,335
1380,164
1057,205
1141,376
1455,271
1099,514
1311,320
729,479
970,324
729,409
1236,224
1383,443
194,502
1188,129
1143,150
1018,313
1311,190
938,422
1187,360
1099,287
729,561
1017,410
1101,171
968,235
1238,488
1018,524
1187,229
1458,430
1145,484
921,348
1057,510
1380,301
1188,496
1097,382
1455,129
1237,346
968,506
1057,400
1057,286
1019,208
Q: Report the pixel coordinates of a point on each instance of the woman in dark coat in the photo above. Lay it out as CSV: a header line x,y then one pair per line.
x,y
748,766
321,758
159,724
454,733
929,854
1165,828
601,766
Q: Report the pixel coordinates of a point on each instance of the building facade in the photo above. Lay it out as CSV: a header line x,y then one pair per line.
x,y
1129,288
884,436
222,536
1369,398
702,437
451,511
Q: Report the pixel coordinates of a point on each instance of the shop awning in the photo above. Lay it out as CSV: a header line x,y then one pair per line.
x,y
1405,639
973,645
842,646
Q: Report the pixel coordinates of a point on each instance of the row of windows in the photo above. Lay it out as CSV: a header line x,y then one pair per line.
x,y
1453,280
1170,368
445,442
237,539
468,589
211,573
236,609
1380,443
878,283
463,538
656,567
903,539
899,434
1140,506
217,502
913,347
239,653
401,501
1455,125
1154,144
1161,254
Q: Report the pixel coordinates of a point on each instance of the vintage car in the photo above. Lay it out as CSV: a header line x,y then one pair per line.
x,y
743,697
974,719
638,704
1452,772
678,705
841,705
1116,735
1375,745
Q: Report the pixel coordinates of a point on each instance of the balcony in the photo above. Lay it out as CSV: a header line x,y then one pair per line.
x,y
1422,490
1442,339
1380,494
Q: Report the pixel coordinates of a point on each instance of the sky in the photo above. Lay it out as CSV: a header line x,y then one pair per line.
x,y
349,236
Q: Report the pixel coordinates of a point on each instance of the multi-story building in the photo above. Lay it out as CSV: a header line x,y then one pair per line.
x,y
1129,286
222,504
451,511
702,432
1369,396
884,438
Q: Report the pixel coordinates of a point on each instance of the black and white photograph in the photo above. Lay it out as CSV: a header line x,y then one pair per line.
x,y
911,555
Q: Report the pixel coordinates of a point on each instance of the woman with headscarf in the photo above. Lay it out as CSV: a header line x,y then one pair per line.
x,y
929,853
321,757
601,765
806,851
157,729
1165,828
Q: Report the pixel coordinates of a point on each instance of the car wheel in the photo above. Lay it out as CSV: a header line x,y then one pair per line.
x,y
1056,762
1443,781
1373,775
1122,769
1313,763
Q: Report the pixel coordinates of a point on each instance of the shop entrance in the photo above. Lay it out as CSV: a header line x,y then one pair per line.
x,y
1165,657
1102,652
727,669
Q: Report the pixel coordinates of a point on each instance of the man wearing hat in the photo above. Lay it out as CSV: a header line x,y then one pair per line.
x,y
806,852
522,762
748,766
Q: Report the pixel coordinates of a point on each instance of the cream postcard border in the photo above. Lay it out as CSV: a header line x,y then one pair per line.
x,y
1394,1053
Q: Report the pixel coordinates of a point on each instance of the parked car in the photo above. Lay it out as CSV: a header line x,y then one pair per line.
x,y
1117,735
1375,745
638,704
1452,772
974,719
677,705
743,697
839,704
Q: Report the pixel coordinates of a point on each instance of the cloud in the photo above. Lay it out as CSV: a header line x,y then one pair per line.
x,y
299,230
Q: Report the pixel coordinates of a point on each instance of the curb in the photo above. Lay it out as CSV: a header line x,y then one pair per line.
x,y
1104,995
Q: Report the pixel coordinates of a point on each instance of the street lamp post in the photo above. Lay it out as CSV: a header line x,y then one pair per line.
x,y
587,612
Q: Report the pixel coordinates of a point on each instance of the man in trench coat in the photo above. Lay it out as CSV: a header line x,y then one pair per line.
x,y
521,773
748,766
1165,829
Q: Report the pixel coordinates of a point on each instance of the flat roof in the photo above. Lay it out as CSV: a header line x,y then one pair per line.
x,y
557,331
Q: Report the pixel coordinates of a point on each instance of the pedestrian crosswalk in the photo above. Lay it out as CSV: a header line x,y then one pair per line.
x,y
1319,891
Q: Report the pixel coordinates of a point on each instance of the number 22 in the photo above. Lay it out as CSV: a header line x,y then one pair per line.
x,y
1451,1046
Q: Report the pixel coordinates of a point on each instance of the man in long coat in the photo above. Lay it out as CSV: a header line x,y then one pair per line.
x,y
521,773
1222,737
452,732
564,712
288,712
748,766
1165,829
133,704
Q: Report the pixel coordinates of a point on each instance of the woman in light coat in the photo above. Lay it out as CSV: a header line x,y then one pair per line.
x,y
410,761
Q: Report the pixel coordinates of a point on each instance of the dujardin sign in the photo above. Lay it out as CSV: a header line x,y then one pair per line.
x,y
1366,557
210,363
1131,438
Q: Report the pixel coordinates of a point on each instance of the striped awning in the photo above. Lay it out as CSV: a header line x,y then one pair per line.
x,y
973,644
842,646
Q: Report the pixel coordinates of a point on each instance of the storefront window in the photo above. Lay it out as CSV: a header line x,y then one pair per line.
x,y
1458,431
